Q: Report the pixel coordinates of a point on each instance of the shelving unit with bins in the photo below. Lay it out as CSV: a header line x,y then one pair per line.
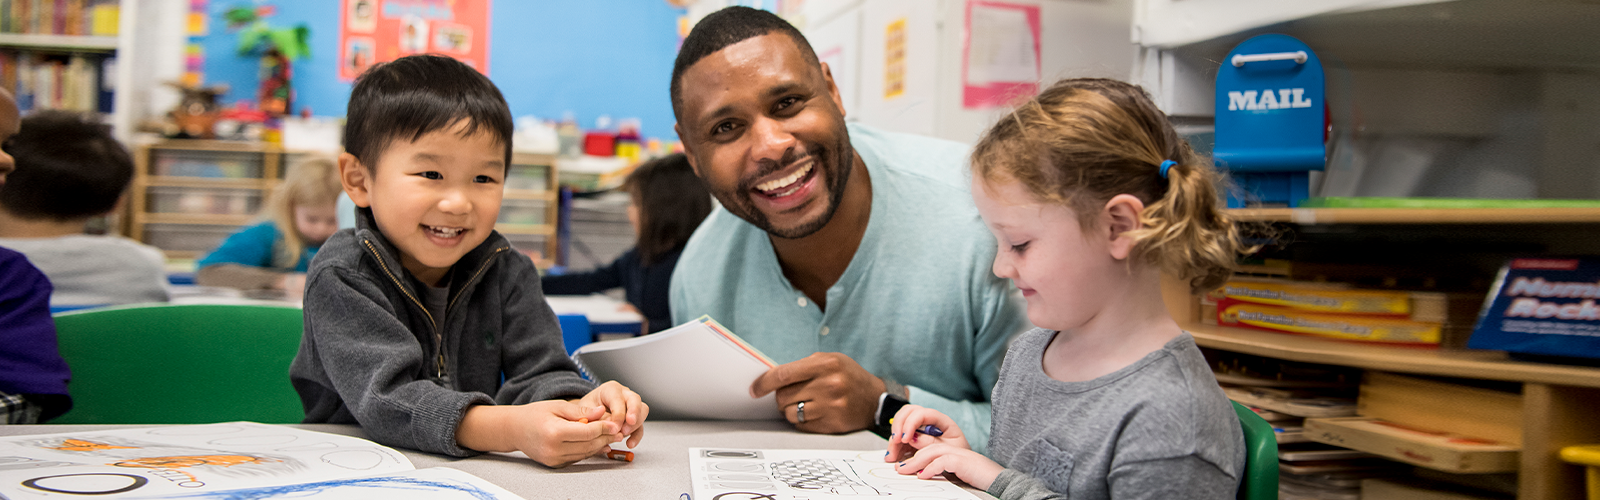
x,y
1557,399
531,205
189,195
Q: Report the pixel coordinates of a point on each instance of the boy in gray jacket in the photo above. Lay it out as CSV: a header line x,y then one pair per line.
x,y
422,324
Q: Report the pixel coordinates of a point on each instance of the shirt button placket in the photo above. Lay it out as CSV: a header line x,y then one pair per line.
x,y
824,331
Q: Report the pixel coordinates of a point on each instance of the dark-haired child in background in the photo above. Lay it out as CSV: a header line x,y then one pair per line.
x,y
33,377
70,169
669,202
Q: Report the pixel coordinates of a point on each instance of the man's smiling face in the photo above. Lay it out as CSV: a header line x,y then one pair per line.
x,y
764,128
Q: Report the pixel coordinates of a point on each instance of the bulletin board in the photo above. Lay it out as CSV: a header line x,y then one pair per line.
x,y
1000,53
374,31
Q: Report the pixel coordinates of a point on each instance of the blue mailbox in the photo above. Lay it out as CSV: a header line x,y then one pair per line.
x,y
1271,120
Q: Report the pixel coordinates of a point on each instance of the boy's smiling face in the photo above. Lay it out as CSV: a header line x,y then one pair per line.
x,y
435,199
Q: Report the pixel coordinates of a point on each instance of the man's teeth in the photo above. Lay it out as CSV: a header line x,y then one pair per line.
x,y
445,232
775,184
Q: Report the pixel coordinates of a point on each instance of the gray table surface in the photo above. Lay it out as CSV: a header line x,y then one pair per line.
x,y
659,471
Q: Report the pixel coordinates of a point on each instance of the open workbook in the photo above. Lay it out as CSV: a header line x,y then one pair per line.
x,y
697,370
232,460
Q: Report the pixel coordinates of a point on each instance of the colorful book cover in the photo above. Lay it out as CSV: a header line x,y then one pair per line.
x,y
1318,298
1393,331
1543,306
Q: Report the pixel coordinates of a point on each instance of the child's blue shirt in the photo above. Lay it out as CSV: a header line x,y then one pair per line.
x,y
256,246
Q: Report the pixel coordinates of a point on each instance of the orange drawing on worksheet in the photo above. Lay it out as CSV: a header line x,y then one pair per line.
x,y
192,461
82,445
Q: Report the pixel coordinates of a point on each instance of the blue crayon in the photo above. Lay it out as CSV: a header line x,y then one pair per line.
x,y
931,430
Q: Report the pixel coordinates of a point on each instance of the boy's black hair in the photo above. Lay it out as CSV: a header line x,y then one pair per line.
x,y
409,97
672,203
727,27
68,167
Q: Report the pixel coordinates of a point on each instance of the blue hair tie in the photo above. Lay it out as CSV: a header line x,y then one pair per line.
x,y
1166,165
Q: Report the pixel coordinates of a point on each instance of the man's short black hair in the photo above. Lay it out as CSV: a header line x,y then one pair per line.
x,y
68,167
411,96
727,27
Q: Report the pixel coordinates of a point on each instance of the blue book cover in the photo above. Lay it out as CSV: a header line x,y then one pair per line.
x,y
1544,306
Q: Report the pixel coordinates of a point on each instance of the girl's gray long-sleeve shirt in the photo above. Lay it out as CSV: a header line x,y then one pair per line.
x,y
1160,428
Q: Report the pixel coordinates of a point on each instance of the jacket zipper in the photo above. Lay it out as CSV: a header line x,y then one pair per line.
x,y
438,342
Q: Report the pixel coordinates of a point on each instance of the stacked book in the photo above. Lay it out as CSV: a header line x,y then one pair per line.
x,y
74,82
1340,311
59,17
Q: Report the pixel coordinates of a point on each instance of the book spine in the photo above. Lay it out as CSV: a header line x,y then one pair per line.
x,y
1394,331
1320,299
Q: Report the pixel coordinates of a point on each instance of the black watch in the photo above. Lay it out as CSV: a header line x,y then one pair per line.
x,y
891,406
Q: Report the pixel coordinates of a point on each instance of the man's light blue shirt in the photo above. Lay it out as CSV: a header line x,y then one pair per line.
x,y
917,305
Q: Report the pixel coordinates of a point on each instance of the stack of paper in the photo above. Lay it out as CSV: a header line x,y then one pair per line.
x,y
694,371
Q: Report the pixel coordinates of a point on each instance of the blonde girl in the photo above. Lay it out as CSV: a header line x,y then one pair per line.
x,y
1092,197
274,254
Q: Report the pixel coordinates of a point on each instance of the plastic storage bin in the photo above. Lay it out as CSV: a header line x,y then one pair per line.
x,y
528,177
514,211
187,237
188,200
216,164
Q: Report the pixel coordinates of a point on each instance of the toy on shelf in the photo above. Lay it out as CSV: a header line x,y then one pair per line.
x,y
1271,125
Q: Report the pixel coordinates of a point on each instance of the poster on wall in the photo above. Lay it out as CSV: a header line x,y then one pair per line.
x,y
374,31
894,59
1000,53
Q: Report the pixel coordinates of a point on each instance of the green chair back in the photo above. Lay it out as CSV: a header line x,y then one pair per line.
x,y
171,364
1260,481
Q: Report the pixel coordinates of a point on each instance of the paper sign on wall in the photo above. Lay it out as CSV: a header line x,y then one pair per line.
x,y
1000,53
374,31
894,59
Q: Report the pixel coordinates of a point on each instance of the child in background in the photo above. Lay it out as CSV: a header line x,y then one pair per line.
x,y
422,324
69,170
33,377
275,254
668,204
1091,196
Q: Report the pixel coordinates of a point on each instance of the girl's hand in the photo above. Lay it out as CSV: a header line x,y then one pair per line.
x,y
905,432
974,469
554,433
623,407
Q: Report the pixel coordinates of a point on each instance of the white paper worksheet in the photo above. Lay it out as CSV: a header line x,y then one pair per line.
x,y
175,461
745,474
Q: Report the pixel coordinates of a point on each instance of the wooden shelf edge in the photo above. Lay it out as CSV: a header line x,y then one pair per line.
x,y
1491,365
206,182
65,42
198,219
529,194
1418,215
526,229
216,145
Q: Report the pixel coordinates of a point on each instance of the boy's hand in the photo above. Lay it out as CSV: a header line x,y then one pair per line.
x,y
549,432
905,432
976,470
622,406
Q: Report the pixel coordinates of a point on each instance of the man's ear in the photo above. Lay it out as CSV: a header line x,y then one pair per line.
x,y
688,151
1122,215
356,179
833,88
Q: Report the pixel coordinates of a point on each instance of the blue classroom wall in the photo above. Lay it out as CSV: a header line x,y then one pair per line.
x,y
590,57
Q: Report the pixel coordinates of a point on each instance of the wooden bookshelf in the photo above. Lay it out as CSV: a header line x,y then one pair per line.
x,y
74,43
1558,400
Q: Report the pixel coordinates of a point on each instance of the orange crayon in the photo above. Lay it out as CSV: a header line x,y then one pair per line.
x,y
625,456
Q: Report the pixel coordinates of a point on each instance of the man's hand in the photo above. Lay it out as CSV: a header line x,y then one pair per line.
x,y
974,469
622,407
839,395
549,432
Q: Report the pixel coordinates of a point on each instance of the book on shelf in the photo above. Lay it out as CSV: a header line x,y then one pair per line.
x,y
1351,327
1470,411
1415,445
59,17
1543,306
1423,306
1292,402
39,81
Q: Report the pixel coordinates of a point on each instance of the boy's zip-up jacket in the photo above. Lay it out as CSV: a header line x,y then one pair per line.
x,y
372,354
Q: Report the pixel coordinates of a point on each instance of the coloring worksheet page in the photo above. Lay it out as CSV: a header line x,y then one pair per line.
x,y
178,461
433,483
741,474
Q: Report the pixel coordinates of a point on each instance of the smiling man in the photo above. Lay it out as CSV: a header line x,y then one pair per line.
x,y
851,255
